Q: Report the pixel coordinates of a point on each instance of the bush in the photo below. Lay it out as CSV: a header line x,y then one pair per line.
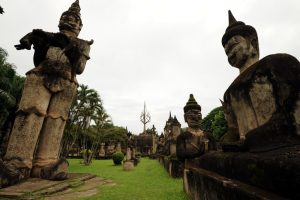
x,y
118,158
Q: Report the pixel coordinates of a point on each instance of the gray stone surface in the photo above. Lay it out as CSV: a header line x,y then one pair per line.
x,y
203,184
78,185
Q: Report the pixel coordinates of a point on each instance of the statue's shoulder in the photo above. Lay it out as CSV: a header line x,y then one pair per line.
x,y
280,64
184,135
184,129
276,63
280,67
83,43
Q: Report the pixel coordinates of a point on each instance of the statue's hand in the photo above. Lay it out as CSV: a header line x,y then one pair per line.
x,y
24,44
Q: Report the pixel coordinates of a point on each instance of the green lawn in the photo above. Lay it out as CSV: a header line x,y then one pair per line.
x,y
148,181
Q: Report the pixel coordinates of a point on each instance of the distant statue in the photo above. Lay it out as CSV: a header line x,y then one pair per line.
x,y
160,145
193,142
262,105
50,87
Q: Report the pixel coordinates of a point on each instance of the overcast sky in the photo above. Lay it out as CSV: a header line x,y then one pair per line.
x,y
157,51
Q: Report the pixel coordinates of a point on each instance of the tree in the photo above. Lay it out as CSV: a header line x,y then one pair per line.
x,y
11,86
219,125
215,123
115,134
1,10
87,118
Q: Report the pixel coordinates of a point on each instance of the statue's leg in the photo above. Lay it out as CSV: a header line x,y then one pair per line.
x,y
25,132
46,163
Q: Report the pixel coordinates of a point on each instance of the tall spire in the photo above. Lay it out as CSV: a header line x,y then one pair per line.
x,y
231,18
145,117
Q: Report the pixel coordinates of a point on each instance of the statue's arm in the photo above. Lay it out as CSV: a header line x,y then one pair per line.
x,y
42,40
25,42
78,53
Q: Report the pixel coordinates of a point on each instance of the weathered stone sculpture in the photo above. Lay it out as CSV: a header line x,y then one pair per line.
x,y
261,157
47,96
102,150
193,142
171,131
262,104
160,145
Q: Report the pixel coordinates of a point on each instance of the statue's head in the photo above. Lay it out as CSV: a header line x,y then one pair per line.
x,y
70,22
240,42
192,113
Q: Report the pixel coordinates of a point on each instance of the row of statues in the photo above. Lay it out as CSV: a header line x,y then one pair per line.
x,y
261,146
261,105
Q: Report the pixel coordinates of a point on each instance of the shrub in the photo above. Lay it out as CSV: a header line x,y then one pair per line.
x,y
118,158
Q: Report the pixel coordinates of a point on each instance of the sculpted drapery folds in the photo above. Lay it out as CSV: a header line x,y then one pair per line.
x,y
47,96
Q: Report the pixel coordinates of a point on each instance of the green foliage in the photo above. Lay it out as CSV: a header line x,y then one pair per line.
x,y
148,181
11,86
87,118
86,151
215,123
117,158
115,134
219,125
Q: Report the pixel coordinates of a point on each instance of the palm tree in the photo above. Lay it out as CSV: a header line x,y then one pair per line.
x,y
86,110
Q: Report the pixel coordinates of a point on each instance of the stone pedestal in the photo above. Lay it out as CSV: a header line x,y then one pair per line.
x,y
203,184
77,186
276,171
128,165
175,169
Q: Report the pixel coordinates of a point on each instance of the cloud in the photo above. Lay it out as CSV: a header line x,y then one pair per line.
x,y
156,51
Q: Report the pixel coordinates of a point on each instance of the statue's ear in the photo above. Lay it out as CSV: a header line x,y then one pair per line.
x,y
222,102
254,43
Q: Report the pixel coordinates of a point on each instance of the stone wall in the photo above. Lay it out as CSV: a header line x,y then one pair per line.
x,y
275,172
203,184
173,167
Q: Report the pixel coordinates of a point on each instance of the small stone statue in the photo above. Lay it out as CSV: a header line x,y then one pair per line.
x,y
160,145
262,104
193,142
50,87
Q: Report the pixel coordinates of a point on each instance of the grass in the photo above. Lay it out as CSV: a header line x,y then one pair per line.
x,y
148,181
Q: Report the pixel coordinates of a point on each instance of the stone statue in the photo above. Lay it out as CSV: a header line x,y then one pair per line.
x,y
47,96
102,150
193,142
262,145
262,104
160,145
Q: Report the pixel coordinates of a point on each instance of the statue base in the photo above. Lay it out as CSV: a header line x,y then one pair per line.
x,y
76,186
276,171
203,184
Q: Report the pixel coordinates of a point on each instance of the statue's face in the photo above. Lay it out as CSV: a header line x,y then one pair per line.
x,y
71,23
193,118
238,50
